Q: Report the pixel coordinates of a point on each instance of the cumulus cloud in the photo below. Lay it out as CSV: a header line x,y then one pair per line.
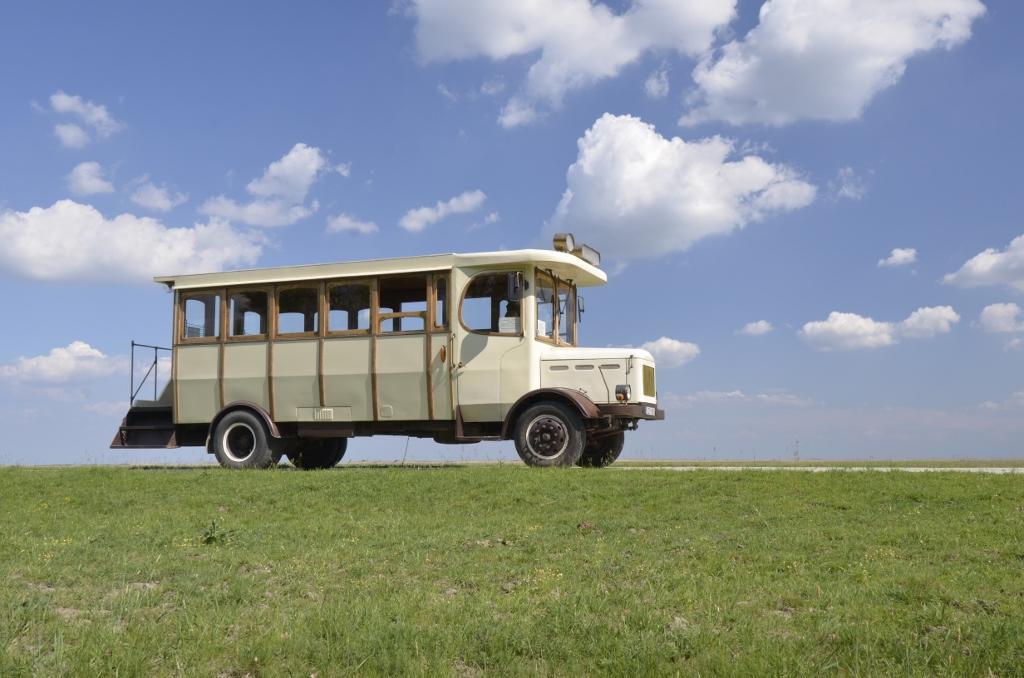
x,y
822,59
635,193
95,116
993,267
516,113
280,193
849,331
757,328
670,352
417,219
656,85
1003,318
577,42
76,361
900,256
73,241
157,198
925,323
71,135
344,222
87,178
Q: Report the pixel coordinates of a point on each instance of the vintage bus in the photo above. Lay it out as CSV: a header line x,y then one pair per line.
x,y
461,348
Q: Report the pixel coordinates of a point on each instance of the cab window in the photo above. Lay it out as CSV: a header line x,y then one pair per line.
x,y
348,306
298,310
492,303
545,296
201,312
566,313
247,313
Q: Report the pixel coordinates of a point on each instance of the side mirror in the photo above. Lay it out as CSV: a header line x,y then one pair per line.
x,y
580,308
516,286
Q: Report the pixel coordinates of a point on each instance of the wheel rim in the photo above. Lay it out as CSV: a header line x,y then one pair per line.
x,y
239,442
547,436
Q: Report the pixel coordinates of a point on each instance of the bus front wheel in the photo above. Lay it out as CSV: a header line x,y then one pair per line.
x,y
549,434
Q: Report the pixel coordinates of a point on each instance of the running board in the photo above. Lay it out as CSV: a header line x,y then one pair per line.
x,y
146,428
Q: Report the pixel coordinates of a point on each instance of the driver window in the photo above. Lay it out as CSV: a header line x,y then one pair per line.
x,y
545,295
490,304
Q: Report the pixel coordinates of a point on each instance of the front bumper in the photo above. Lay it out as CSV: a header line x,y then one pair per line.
x,y
631,411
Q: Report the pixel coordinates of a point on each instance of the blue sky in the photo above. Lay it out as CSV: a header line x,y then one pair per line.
x,y
735,162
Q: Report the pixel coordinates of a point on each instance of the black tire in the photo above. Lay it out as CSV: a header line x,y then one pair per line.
x,y
310,455
549,434
602,450
240,441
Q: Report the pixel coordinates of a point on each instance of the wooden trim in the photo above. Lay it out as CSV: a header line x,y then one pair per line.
x,y
175,323
373,349
433,300
223,332
428,346
462,299
320,344
226,332
271,331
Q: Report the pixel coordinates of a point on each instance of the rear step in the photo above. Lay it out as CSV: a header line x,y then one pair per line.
x,y
146,428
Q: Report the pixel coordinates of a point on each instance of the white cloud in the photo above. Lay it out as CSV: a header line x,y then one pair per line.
x,y
670,352
822,59
634,193
421,217
757,328
492,87
577,42
1001,318
94,115
344,169
1014,344
925,323
656,85
87,178
778,398
76,361
279,193
72,241
71,135
443,90
344,222
848,185
993,267
516,113
157,198
900,256
491,218
849,331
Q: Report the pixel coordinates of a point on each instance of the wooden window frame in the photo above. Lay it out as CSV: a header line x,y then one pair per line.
x,y
371,283
226,310
432,301
553,339
488,333
381,317
573,325
319,286
183,297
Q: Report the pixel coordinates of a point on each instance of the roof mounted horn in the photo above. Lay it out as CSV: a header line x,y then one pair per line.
x,y
565,242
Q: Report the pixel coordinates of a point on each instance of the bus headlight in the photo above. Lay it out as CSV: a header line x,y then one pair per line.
x,y
622,392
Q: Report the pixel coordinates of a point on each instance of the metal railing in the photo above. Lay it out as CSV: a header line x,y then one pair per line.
x,y
153,370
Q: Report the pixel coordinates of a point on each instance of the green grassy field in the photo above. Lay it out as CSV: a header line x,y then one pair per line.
x,y
505,570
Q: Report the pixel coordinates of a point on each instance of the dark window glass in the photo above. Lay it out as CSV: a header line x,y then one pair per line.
x,y
348,307
407,295
247,313
298,310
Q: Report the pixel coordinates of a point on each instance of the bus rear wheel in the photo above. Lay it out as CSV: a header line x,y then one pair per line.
x,y
602,450
240,441
549,434
310,455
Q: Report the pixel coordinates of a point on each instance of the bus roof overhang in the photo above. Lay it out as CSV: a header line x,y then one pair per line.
x,y
563,264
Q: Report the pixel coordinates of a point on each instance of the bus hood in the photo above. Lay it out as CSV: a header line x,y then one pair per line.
x,y
598,371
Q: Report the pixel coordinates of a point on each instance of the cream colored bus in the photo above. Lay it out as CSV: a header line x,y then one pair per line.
x,y
460,348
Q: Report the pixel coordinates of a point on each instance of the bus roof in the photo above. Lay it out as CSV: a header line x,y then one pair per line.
x,y
563,264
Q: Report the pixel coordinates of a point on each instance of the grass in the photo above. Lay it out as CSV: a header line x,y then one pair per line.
x,y
505,570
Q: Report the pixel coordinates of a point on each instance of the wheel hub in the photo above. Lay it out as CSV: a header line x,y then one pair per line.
x,y
547,437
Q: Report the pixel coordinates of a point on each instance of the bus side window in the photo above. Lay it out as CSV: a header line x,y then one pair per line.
x,y
202,316
348,306
247,313
298,310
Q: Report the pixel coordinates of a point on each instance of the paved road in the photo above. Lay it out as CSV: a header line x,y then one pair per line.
x,y
824,469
